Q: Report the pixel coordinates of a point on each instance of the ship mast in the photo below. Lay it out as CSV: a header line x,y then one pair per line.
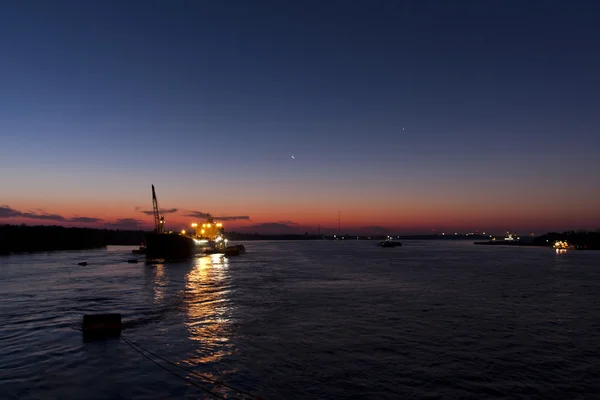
x,y
159,222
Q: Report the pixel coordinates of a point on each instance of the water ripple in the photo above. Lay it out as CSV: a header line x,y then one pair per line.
x,y
296,320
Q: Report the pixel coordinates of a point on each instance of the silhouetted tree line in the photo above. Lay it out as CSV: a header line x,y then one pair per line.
x,y
23,238
581,240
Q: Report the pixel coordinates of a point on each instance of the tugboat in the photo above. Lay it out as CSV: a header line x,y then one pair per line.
x,y
389,243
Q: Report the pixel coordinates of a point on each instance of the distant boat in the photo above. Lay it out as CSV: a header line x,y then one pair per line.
x,y
141,250
389,243
235,250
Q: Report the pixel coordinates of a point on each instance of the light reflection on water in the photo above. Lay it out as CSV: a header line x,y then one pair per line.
x,y
297,320
160,282
208,310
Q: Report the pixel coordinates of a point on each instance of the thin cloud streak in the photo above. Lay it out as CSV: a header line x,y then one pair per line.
x,y
233,218
86,219
127,223
9,212
278,227
196,214
200,214
162,211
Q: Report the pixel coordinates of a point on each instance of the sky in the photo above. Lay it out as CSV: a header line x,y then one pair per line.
x,y
403,116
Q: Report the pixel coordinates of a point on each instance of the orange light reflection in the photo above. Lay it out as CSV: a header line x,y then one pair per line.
x,y
160,282
207,308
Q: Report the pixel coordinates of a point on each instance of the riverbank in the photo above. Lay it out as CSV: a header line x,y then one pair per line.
x,y
575,240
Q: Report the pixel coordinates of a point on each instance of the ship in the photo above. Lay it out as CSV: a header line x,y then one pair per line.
x,y
206,238
166,245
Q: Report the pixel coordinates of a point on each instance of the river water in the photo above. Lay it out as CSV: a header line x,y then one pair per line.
x,y
307,320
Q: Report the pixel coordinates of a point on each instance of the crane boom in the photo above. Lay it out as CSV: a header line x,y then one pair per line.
x,y
159,222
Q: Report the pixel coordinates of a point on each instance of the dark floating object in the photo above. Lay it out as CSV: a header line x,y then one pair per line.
x,y
389,243
141,250
234,250
132,261
82,263
101,326
239,247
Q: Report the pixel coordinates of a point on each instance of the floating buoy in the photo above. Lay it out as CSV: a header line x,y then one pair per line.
x,y
101,326
82,263
132,261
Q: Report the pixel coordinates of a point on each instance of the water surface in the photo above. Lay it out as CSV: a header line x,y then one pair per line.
x,y
308,320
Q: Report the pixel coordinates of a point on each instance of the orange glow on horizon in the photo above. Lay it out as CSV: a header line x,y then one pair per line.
x,y
407,215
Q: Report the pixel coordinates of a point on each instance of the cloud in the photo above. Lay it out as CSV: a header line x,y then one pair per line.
x,y
85,219
200,214
162,210
276,227
127,223
195,214
46,217
8,212
233,218
287,222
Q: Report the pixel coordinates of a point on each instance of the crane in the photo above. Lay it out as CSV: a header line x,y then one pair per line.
x,y
159,221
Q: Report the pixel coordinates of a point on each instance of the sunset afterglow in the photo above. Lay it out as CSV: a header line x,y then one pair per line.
x,y
401,127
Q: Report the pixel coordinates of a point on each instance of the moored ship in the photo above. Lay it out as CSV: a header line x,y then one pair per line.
x,y
207,238
167,245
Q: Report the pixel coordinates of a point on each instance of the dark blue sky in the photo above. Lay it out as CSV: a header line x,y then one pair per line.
x,y
412,100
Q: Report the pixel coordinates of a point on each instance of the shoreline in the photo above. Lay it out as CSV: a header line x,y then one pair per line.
x,y
17,239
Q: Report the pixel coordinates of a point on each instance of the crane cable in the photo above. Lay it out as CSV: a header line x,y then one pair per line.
x,y
139,349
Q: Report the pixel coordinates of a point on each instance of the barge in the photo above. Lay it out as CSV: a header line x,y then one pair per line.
x,y
207,238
